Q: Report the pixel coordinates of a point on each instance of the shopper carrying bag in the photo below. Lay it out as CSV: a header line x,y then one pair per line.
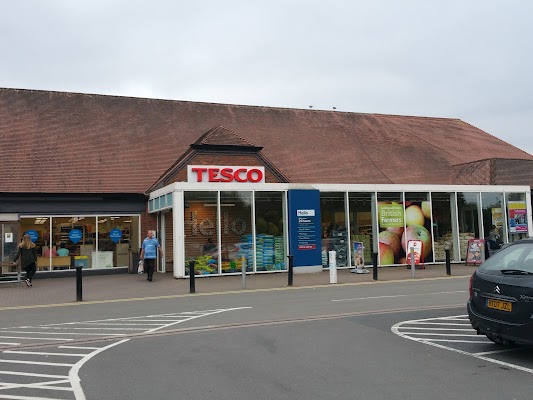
x,y
28,258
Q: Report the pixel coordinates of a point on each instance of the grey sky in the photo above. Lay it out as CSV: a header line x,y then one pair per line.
x,y
470,59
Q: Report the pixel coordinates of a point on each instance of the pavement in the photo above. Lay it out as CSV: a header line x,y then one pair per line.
x,y
127,287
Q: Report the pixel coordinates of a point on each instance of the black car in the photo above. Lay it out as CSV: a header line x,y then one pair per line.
x,y
501,295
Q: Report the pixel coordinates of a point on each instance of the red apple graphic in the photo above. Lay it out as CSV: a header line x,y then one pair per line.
x,y
397,231
386,255
417,232
391,240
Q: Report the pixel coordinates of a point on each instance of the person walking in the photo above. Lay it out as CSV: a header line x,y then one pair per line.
x,y
149,250
28,258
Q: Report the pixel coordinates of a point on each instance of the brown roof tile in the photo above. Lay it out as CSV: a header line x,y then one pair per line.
x,y
69,142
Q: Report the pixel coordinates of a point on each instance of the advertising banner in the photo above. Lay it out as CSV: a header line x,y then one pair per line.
x,y
517,217
358,255
398,224
304,227
475,251
416,245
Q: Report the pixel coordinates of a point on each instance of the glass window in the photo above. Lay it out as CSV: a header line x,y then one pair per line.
x,y
468,216
270,238
117,235
9,240
492,219
201,237
443,224
361,224
418,225
334,233
236,233
391,225
517,216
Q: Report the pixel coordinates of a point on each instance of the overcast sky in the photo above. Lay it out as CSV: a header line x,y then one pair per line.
x,y
464,59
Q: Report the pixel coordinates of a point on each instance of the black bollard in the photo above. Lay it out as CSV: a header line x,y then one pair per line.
x,y
192,286
375,265
291,270
79,289
448,267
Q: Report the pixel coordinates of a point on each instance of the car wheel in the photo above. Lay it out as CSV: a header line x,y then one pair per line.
x,y
498,340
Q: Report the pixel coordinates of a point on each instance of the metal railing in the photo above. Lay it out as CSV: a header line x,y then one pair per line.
x,y
7,275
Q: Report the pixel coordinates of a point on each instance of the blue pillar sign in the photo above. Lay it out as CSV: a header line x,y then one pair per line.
x,y
304,227
115,235
34,235
75,235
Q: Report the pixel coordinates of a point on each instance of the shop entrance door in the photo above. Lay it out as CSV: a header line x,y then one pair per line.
x,y
9,241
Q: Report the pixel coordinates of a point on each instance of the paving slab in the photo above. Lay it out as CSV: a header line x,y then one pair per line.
x,y
131,286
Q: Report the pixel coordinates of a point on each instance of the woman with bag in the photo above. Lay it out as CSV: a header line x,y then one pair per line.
x,y
28,258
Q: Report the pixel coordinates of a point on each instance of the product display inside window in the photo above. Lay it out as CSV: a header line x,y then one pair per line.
x,y
236,232
443,232
270,249
334,233
62,241
361,224
468,216
201,234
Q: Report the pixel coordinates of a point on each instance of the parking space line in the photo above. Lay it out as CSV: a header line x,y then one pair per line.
x,y
34,375
484,353
457,341
35,363
38,353
400,295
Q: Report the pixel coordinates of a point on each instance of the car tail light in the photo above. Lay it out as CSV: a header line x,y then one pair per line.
x,y
470,289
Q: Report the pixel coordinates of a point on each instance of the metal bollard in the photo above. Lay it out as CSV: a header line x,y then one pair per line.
x,y
447,251
332,267
375,265
79,288
291,269
243,269
192,286
413,267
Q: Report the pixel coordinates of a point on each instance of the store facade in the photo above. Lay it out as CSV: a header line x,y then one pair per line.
x,y
96,232
225,226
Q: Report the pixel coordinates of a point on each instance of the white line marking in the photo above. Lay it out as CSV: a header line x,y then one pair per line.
x,y
400,295
43,354
64,333
102,329
78,347
117,324
10,396
439,329
34,375
439,323
33,338
40,385
456,341
10,344
35,363
474,334
484,353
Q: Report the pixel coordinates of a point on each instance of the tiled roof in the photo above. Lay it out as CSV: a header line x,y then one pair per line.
x,y
53,142
222,136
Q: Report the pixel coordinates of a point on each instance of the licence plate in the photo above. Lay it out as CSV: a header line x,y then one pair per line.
x,y
500,305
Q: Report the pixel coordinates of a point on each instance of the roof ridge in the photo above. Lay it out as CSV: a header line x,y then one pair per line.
x,y
227,104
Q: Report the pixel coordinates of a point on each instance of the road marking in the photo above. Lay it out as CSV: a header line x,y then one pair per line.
x,y
401,295
12,397
32,338
473,334
78,347
33,375
397,329
35,363
439,323
10,343
439,329
37,353
61,333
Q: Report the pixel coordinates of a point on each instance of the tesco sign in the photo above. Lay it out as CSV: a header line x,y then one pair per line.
x,y
224,174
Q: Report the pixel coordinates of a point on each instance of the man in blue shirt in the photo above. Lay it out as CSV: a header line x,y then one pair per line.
x,y
149,254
